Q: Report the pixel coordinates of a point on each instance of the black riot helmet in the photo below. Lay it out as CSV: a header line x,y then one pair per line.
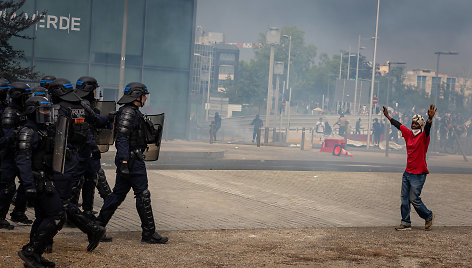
x,y
4,87
40,91
19,92
46,80
133,91
85,87
39,109
62,90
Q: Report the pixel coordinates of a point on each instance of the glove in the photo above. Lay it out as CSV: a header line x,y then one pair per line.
x,y
96,155
111,117
124,170
87,107
30,195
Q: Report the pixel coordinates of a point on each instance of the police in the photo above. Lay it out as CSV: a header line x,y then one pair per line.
x,y
4,87
34,160
62,93
131,141
89,155
12,120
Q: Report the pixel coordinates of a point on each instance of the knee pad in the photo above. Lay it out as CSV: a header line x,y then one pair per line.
x,y
101,172
144,195
144,198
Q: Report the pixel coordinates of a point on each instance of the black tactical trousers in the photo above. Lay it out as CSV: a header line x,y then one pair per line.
x,y
8,188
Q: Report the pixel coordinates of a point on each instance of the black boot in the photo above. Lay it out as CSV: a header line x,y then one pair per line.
x,y
6,194
143,205
40,238
48,248
94,231
31,253
19,216
105,237
47,263
31,259
4,224
155,239
95,235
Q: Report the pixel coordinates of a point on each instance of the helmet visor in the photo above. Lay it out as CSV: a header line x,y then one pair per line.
x,y
45,115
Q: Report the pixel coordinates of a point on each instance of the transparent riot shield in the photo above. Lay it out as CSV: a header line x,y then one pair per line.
x,y
104,136
152,151
60,144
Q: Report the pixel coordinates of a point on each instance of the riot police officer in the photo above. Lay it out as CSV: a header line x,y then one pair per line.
x,y
4,87
130,142
12,120
34,159
93,174
62,93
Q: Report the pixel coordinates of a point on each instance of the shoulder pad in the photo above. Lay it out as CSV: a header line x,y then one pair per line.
x,y
25,140
10,117
125,121
128,109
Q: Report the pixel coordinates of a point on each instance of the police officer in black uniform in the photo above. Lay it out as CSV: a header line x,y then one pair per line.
x,y
4,87
12,120
93,174
62,93
130,143
34,161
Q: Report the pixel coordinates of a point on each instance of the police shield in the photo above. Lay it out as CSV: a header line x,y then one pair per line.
x,y
104,136
152,151
60,144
